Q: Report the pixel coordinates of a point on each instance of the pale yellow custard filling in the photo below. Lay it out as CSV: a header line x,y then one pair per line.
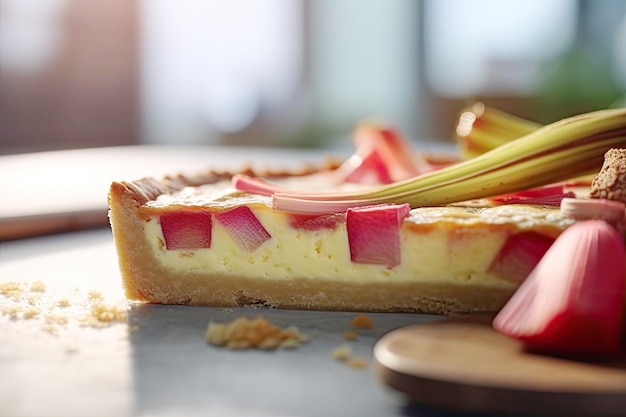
x,y
450,244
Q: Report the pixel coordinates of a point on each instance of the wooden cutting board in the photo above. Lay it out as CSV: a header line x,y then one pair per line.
x,y
463,364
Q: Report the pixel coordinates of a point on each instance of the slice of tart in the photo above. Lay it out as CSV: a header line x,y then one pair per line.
x,y
180,242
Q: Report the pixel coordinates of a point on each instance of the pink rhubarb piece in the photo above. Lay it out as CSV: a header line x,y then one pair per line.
x,y
316,222
520,255
244,227
186,229
572,302
374,233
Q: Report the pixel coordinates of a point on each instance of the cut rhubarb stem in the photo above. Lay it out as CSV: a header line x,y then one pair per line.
x,y
368,170
244,227
314,223
186,229
520,255
551,195
374,234
255,185
572,302
382,156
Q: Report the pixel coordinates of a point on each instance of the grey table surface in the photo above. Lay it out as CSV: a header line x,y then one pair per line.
x,y
157,362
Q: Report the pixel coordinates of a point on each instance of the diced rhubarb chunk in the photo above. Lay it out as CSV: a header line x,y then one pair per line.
x,y
572,303
315,222
368,170
244,227
545,191
548,196
374,233
186,229
520,255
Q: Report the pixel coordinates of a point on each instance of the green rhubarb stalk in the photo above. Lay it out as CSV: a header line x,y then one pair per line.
x,y
481,128
562,150
583,160
509,124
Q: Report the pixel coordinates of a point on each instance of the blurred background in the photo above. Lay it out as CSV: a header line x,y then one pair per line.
x,y
296,73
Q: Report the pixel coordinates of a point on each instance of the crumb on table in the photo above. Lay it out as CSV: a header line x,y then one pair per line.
x,y
102,315
350,335
30,313
343,353
362,322
257,333
94,295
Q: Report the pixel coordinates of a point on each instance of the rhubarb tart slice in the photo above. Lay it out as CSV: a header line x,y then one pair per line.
x,y
209,244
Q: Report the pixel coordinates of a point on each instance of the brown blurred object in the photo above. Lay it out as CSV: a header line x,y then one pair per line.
x,y
87,93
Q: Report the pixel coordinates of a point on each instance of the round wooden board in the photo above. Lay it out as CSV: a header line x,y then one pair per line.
x,y
463,364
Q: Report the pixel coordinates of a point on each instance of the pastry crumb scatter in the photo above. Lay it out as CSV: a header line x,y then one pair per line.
x,y
6,288
103,315
350,335
343,354
362,322
28,301
94,295
30,313
10,289
358,363
257,333
12,311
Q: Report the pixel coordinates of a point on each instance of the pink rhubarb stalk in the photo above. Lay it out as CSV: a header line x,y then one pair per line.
x,y
374,233
244,227
572,302
382,156
256,185
368,169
